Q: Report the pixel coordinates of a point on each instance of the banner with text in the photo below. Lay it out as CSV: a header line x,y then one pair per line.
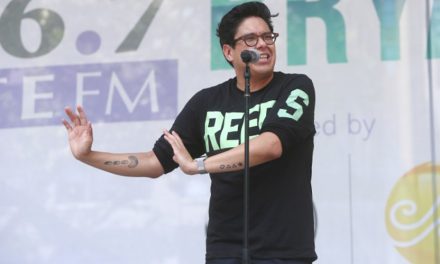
x,y
134,64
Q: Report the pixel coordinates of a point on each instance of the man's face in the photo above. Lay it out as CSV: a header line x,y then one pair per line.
x,y
266,64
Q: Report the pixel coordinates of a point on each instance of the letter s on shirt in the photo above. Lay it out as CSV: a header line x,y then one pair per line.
x,y
291,102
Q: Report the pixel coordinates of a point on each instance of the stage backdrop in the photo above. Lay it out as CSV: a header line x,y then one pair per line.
x,y
134,64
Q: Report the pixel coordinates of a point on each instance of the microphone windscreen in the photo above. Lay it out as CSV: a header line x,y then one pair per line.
x,y
249,56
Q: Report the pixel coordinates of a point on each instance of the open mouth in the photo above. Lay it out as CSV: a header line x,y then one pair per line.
x,y
264,57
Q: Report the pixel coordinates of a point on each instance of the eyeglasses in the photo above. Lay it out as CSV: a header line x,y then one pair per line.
x,y
251,40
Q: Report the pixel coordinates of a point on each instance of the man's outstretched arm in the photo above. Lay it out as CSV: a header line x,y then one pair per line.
x,y
263,148
129,164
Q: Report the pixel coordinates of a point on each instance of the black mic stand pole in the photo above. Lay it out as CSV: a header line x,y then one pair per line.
x,y
247,94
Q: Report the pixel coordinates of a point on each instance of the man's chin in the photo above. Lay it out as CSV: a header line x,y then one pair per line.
x,y
263,69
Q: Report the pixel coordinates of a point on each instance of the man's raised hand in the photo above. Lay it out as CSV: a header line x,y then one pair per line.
x,y
79,131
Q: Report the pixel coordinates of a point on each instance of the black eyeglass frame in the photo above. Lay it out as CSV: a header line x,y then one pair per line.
x,y
268,37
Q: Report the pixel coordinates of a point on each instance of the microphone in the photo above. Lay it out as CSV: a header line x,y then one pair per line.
x,y
250,56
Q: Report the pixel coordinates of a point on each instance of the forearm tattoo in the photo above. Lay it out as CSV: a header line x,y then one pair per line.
x,y
231,166
132,162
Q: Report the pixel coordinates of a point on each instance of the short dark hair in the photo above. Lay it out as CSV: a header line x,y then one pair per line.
x,y
227,28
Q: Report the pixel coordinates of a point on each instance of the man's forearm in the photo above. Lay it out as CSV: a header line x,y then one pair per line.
x,y
129,164
264,148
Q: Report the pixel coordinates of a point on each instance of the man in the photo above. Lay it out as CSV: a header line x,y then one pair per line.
x,y
281,146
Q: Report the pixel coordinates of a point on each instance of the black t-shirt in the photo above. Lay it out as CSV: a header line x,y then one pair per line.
x,y
281,221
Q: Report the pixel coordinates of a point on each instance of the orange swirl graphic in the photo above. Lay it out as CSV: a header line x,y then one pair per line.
x,y
412,215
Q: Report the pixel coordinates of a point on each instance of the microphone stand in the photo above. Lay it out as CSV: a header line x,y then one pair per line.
x,y
247,94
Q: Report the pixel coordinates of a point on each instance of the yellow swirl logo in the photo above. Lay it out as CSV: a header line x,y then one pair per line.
x,y
410,214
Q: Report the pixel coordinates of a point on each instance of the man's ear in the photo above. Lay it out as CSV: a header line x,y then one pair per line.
x,y
227,52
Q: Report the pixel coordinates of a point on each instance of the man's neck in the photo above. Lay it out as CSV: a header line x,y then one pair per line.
x,y
256,82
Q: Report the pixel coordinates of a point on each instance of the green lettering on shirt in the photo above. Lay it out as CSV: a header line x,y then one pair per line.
x,y
217,118
263,111
252,122
291,102
229,128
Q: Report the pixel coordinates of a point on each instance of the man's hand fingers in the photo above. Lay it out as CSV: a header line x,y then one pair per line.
x,y
178,139
175,142
82,115
67,125
73,117
171,139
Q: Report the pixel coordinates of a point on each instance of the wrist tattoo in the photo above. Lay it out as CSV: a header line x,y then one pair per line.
x,y
132,162
231,166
